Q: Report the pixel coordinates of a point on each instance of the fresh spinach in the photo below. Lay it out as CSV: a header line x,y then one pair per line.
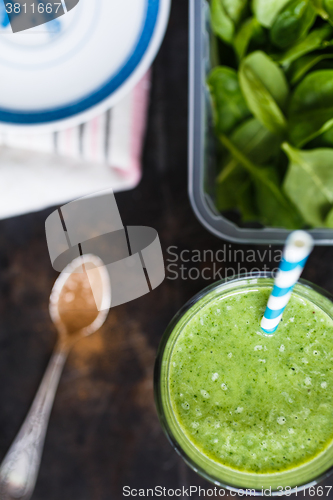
x,y
302,66
265,89
229,104
311,107
273,206
314,41
236,192
324,140
243,37
235,9
247,202
230,186
292,23
267,10
328,7
222,24
235,188
324,8
258,143
249,32
225,16
273,110
318,5
329,219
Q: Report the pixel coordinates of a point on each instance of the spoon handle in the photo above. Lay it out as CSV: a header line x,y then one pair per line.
x,y
19,469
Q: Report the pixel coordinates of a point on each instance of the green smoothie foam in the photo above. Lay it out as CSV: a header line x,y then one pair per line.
x,y
254,403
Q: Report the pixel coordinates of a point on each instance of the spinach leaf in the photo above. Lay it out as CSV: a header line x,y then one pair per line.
x,y
266,10
246,202
225,15
320,9
292,23
328,7
222,25
324,8
234,9
329,219
236,192
249,31
314,41
265,89
255,141
311,107
229,105
309,183
235,189
255,111
304,64
324,140
274,208
230,185
243,37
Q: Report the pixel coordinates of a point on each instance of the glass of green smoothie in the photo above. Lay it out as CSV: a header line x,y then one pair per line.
x,y
247,410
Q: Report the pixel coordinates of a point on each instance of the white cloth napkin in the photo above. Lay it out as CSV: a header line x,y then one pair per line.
x,y
42,170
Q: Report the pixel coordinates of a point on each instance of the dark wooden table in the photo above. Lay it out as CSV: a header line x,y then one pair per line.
x,y
104,433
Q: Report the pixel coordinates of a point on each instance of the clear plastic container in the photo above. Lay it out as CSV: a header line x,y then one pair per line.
x,y
202,157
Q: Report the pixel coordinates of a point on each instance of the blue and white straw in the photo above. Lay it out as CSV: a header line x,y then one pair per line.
x,y
296,252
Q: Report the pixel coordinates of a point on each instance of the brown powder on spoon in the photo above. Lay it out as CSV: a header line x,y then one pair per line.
x,y
77,307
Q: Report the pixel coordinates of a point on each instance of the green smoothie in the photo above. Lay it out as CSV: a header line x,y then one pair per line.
x,y
246,401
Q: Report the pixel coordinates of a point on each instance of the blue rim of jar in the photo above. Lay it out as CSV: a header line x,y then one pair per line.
x,y
109,87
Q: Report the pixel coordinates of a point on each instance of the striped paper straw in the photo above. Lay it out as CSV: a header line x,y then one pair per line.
x,y
296,252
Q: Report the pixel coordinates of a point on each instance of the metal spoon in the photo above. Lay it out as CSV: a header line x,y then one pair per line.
x,y
19,469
